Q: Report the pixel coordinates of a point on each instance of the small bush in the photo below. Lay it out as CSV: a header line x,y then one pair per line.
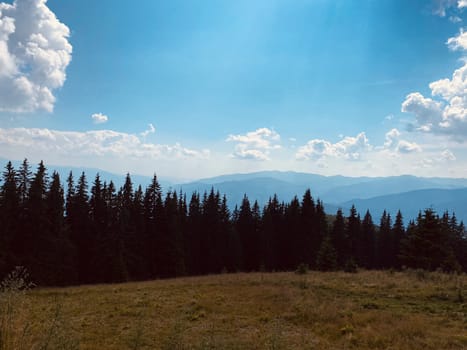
x,y
350,266
302,269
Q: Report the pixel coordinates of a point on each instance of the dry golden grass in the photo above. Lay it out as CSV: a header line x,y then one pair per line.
x,y
367,310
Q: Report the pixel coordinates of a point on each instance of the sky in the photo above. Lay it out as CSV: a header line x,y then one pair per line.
x,y
190,89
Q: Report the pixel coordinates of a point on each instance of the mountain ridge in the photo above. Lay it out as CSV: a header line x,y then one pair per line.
x,y
408,193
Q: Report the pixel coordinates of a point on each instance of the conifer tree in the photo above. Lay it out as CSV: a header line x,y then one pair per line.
x,y
352,234
398,234
385,242
194,235
10,245
326,259
339,239
24,181
290,237
366,244
246,229
306,247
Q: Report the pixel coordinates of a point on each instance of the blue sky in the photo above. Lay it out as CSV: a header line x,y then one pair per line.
x,y
199,88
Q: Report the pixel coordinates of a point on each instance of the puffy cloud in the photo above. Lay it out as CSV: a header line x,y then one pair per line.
x,y
448,115
391,138
99,118
427,111
34,55
408,147
458,42
98,143
462,4
350,148
255,145
393,142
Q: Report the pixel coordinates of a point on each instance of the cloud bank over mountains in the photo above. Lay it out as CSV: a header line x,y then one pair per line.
x,y
255,145
98,143
34,55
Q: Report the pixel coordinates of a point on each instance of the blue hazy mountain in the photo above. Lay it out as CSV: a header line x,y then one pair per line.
x,y
389,185
117,179
408,193
342,192
410,203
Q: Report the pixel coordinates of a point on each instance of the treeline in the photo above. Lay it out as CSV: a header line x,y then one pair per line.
x,y
96,233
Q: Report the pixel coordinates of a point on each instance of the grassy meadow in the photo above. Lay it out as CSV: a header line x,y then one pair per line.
x,y
368,310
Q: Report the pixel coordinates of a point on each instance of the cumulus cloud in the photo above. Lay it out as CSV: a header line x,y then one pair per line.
x,y
34,55
394,143
462,4
99,118
98,143
349,148
255,145
458,42
448,114
408,147
391,138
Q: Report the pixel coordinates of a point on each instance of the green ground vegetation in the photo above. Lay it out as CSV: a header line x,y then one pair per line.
x,y
412,309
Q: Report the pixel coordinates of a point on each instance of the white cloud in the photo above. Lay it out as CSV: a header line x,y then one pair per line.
x,y
408,147
391,138
349,148
448,114
441,6
255,145
446,117
427,111
99,118
96,143
34,55
394,143
151,130
462,4
458,42
455,19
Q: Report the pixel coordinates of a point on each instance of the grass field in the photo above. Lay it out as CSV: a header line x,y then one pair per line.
x,y
367,310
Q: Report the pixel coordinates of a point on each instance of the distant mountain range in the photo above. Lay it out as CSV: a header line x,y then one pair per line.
x,y
407,193
117,179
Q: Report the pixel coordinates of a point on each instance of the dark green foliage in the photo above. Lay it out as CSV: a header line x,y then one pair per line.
x,y
338,238
109,235
302,269
350,266
326,259
352,233
429,244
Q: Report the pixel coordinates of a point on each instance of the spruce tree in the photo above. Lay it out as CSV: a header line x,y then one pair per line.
x,y
10,246
307,244
352,231
398,234
366,244
339,239
326,259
